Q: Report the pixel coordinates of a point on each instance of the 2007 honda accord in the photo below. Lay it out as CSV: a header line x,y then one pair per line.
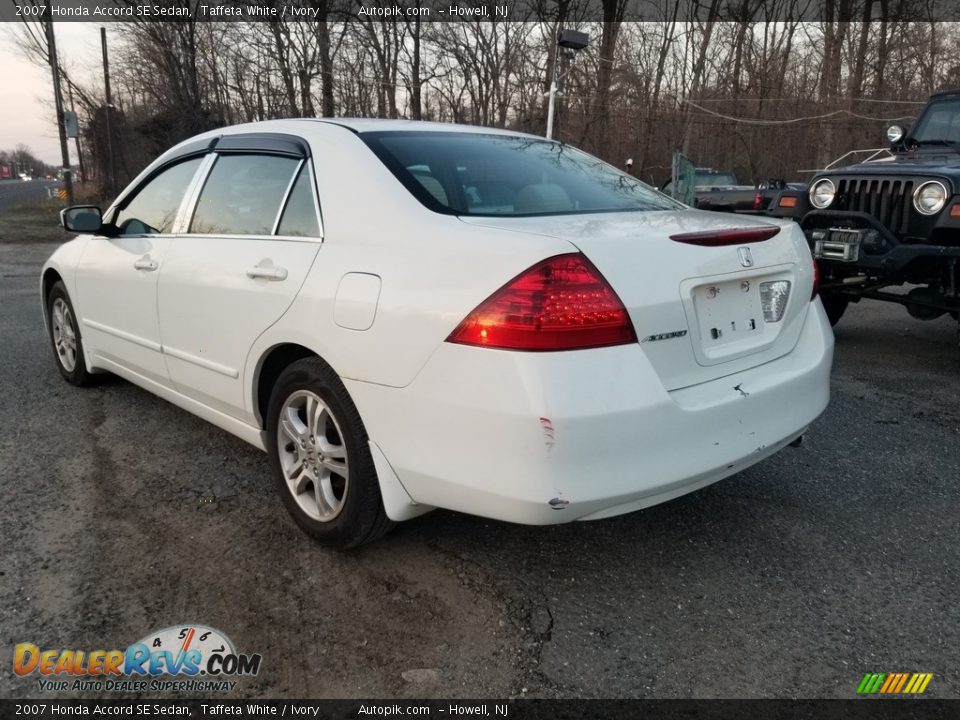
x,y
410,315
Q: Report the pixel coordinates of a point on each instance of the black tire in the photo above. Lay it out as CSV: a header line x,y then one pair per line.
x,y
835,306
361,517
60,314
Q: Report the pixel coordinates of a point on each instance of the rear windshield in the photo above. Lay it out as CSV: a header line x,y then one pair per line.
x,y
715,179
475,174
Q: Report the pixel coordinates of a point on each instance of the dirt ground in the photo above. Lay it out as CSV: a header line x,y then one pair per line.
x,y
125,515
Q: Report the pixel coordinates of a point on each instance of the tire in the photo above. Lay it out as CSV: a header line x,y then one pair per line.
x,y
323,469
65,337
835,307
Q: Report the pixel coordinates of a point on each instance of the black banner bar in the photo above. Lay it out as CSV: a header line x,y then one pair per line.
x,y
860,709
578,11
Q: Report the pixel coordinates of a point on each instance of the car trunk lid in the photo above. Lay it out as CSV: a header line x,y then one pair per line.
x,y
701,305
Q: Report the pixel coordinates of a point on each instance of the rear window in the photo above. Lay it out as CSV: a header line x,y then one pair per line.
x,y
475,174
717,179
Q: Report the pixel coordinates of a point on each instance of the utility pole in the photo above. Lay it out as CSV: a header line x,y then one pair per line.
x,y
83,172
109,110
58,99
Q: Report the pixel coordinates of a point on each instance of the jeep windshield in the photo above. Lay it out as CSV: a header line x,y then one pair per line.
x,y
507,175
939,124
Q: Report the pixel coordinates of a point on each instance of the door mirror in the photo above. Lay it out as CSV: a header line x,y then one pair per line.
x,y
82,218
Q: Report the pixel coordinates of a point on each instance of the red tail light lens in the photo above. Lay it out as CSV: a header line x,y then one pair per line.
x,y
816,280
562,303
758,201
736,236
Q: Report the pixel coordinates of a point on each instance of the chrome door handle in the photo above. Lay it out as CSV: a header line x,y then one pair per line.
x,y
267,273
146,264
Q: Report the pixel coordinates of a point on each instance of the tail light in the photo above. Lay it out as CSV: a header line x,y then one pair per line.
x,y
735,236
562,303
758,201
816,280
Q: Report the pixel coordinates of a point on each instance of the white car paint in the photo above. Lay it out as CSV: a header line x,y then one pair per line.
x,y
531,437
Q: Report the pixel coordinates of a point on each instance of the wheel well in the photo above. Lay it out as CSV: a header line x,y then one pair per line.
x,y
50,278
275,362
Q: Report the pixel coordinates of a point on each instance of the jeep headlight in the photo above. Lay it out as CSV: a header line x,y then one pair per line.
x,y
821,194
930,198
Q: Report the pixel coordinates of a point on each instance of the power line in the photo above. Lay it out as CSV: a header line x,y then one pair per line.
x,y
791,121
813,100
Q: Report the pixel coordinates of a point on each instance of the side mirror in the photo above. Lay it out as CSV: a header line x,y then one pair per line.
x,y
895,134
82,218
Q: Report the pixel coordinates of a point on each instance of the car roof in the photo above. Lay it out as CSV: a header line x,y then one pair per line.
x,y
361,126
945,93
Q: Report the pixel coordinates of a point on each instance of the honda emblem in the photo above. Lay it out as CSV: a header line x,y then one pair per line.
x,y
746,257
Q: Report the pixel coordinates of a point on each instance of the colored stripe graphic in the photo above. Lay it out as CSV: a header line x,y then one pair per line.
x,y
870,683
890,682
894,683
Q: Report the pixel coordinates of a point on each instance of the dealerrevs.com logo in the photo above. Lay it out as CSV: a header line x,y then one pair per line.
x,y
202,654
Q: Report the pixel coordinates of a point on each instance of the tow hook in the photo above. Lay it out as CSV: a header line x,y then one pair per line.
x,y
798,442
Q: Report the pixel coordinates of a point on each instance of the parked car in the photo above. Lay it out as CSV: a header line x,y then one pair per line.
x,y
718,190
412,315
891,222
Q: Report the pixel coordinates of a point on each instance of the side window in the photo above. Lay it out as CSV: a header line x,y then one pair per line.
x,y
300,214
154,208
242,195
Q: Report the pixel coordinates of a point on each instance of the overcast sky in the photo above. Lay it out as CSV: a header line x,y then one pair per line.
x,y
26,90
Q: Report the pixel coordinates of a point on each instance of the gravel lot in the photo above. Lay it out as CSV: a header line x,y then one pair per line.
x,y
125,514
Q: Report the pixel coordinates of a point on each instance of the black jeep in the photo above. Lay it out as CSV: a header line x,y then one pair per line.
x,y
892,221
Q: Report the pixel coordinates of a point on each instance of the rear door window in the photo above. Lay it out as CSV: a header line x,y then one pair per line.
x,y
300,214
242,195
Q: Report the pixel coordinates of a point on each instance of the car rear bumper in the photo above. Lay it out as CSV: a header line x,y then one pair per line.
x,y
544,438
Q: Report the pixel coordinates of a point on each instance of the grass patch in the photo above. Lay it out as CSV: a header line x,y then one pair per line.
x,y
37,223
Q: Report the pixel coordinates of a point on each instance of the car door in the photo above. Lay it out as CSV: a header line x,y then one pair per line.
x,y
252,238
116,280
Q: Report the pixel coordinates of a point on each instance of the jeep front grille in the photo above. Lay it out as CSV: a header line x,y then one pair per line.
x,y
889,200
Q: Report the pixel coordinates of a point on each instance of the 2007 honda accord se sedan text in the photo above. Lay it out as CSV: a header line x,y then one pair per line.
x,y
410,315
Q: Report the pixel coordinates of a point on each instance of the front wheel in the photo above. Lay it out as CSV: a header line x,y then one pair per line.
x,y
835,305
65,337
321,458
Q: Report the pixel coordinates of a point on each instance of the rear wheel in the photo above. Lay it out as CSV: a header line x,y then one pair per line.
x,y
321,458
835,305
65,337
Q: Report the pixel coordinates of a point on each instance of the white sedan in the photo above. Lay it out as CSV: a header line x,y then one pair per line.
x,y
408,316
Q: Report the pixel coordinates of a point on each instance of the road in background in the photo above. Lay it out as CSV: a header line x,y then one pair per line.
x,y
124,514
14,193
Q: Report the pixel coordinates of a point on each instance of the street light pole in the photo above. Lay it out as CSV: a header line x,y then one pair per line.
x,y
569,42
58,101
551,105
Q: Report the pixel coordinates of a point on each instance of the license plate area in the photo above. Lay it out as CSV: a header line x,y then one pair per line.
x,y
730,316
840,244
728,312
